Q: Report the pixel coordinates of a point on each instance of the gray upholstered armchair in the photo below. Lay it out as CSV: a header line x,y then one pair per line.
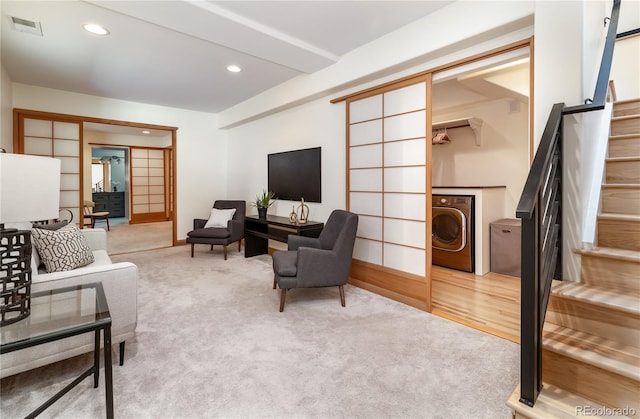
x,y
222,233
321,262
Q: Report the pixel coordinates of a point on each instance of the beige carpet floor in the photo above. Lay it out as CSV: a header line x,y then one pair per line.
x,y
210,343
126,238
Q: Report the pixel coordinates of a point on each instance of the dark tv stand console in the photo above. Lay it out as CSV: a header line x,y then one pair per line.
x,y
258,231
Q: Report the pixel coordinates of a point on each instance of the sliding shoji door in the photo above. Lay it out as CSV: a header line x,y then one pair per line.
x,y
62,140
148,193
389,189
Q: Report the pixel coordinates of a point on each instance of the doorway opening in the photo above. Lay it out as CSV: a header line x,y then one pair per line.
x,y
70,138
131,176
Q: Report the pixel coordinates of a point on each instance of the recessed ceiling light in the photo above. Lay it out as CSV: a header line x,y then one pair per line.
x,y
234,69
146,132
95,29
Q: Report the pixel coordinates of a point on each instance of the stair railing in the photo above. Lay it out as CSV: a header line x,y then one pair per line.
x,y
540,209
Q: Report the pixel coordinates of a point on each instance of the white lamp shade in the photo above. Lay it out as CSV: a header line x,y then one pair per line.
x,y
29,188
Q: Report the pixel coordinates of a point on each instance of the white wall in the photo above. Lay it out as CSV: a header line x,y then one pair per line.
x,y
559,78
504,150
595,33
626,56
626,67
626,59
315,124
6,113
201,150
6,132
558,58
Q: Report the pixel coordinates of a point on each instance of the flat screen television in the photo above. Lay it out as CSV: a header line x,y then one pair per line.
x,y
296,174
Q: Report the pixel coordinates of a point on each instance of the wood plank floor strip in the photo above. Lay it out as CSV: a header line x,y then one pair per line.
x,y
490,303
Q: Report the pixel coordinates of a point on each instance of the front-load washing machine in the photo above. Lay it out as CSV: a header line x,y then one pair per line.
x,y
453,232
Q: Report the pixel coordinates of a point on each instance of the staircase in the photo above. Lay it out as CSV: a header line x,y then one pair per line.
x,y
591,338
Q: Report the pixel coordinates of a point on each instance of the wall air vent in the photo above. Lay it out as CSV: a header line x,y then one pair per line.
x,y
24,25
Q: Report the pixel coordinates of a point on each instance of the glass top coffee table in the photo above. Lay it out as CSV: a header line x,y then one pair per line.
x,y
60,314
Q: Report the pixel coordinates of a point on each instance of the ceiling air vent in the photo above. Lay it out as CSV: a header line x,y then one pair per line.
x,y
24,25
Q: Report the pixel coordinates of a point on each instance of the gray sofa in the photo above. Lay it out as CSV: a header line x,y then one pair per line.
x,y
120,283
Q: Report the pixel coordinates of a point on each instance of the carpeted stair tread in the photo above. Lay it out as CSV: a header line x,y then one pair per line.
x,y
603,297
594,350
554,402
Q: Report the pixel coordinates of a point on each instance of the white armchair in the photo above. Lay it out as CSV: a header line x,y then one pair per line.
x,y
120,283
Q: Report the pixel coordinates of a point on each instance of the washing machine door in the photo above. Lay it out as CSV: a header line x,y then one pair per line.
x,y
449,229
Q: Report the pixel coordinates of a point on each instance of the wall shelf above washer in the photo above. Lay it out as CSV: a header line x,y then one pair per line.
x,y
474,123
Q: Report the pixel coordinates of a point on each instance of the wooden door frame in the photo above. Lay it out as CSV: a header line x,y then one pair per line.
x,y
18,146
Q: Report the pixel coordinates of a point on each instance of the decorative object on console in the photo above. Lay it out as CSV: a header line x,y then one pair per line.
x,y
263,202
303,212
293,216
29,191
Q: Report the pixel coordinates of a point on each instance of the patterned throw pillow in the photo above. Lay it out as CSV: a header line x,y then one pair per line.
x,y
54,226
63,249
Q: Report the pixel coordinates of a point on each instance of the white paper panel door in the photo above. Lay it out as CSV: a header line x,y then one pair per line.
x,y
388,177
60,140
148,200
366,109
405,99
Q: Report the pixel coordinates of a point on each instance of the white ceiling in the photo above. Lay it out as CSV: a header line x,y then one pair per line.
x,y
175,53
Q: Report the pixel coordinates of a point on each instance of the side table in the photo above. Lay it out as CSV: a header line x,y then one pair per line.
x,y
59,314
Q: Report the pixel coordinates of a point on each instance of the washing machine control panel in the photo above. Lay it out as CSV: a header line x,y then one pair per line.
x,y
451,200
